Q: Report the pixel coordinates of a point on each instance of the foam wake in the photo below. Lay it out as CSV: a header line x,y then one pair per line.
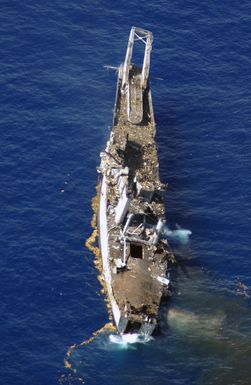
x,y
178,236
126,339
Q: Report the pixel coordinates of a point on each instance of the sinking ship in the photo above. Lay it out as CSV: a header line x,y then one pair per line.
x,y
135,254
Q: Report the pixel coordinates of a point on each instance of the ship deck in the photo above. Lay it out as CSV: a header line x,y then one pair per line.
x,y
138,256
134,146
139,140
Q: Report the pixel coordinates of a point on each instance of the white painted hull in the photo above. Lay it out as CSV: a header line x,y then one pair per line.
x,y
104,247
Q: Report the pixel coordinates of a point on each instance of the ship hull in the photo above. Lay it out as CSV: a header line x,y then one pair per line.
x,y
135,255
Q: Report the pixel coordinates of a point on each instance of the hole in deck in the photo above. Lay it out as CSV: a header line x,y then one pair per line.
x,y
133,327
136,251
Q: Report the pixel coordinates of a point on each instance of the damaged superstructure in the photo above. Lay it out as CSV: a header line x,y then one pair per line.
x,y
135,255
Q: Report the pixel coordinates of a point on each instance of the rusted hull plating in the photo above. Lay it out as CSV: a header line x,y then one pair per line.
x,y
135,255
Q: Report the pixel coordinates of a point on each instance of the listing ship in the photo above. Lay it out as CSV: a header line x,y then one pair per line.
x,y
131,219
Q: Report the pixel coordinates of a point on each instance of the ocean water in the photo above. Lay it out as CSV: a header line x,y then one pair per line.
x,y
56,112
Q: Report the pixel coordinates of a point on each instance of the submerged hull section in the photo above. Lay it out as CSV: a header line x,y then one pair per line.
x,y
135,256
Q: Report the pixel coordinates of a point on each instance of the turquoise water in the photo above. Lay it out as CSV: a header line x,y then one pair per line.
x,y
56,113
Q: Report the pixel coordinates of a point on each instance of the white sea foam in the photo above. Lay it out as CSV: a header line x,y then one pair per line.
x,y
126,339
179,235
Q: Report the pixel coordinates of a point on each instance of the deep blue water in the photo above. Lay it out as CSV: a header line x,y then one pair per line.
x,y
56,111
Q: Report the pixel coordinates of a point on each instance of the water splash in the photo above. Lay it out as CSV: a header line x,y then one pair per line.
x,y
178,236
126,339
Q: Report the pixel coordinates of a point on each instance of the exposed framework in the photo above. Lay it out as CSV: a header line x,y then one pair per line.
x,y
146,38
